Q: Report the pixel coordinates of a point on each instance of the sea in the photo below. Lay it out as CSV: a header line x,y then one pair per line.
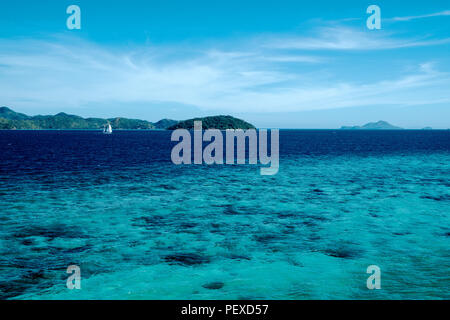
x,y
140,227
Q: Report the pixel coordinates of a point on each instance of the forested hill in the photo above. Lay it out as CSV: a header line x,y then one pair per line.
x,y
214,122
10,119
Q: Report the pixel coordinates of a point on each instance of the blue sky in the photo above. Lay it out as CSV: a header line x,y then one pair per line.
x,y
282,64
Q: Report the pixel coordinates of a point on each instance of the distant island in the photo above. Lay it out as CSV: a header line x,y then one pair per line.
x,y
11,120
380,125
215,122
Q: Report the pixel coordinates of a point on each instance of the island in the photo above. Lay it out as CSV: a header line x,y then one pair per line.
x,y
11,120
215,122
380,125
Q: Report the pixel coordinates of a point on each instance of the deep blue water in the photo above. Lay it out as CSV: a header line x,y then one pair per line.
x,y
141,227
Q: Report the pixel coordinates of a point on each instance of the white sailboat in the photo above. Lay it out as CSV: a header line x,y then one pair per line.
x,y
107,129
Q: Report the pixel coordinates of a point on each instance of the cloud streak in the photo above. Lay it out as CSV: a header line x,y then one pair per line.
x,y
431,15
347,39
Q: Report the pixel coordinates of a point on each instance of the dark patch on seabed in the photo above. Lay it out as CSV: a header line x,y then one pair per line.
x,y
238,257
267,238
344,253
213,285
401,233
230,210
150,221
32,280
445,197
168,187
51,232
78,249
186,259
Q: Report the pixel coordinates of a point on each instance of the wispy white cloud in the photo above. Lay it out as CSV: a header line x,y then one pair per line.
x,y
431,15
345,38
294,58
256,78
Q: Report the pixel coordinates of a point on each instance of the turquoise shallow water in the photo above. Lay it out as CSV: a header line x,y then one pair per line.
x,y
140,227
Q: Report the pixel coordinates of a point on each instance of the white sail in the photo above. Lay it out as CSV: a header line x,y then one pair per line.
x,y
107,129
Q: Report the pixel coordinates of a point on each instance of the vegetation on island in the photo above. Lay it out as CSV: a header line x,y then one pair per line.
x,y
11,120
214,122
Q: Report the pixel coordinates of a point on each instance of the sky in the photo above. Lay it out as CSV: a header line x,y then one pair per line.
x,y
276,64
